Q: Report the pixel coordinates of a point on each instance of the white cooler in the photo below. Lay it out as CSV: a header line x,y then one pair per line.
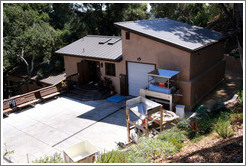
x,y
180,111
83,152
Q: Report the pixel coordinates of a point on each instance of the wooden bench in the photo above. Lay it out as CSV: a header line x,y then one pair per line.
x,y
26,100
6,107
49,92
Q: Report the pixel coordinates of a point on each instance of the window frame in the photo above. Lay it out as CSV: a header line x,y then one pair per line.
x,y
110,69
128,36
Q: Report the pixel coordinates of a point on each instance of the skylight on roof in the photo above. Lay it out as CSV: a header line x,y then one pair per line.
x,y
103,41
113,41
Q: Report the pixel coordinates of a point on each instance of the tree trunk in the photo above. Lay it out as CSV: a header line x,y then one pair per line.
x,y
236,21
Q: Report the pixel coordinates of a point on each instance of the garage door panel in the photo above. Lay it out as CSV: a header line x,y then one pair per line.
x,y
137,76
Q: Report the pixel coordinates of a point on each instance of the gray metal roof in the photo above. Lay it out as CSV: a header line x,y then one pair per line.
x,y
189,37
93,46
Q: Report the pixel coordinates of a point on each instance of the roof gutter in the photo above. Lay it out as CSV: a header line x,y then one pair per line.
x,y
93,58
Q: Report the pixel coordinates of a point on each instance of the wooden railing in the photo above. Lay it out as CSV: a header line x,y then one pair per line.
x,y
20,101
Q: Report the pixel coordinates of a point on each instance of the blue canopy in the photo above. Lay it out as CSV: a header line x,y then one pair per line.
x,y
164,73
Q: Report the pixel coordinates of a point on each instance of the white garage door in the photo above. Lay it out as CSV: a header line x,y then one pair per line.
x,y
137,76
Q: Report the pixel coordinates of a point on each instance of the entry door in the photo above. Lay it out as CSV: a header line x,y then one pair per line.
x,y
83,70
137,76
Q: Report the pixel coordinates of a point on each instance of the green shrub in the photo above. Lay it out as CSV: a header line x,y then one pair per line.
x,y
240,97
113,157
183,124
225,115
176,138
218,107
204,126
201,109
223,128
192,134
236,118
56,158
150,148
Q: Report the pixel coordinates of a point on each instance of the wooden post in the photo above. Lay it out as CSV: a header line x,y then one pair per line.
x,y
171,103
127,124
161,120
146,126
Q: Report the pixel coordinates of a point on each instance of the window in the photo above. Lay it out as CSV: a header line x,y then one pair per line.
x,y
127,35
110,69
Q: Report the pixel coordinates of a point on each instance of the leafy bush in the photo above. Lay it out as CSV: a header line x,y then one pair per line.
x,y
183,124
56,158
199,126
201,109
240,97
149,148
113,157
223,128
225,115
204,126
218,107
174,137
236,118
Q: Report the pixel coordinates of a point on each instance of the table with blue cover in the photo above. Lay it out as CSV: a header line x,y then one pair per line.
x,y
155,90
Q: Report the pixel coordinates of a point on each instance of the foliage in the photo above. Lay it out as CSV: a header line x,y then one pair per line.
x,y
223,128
201,108
167,142
204,126
174,137
183,124
27,33
7,151
64,84
193,13
114,156
240,97
236,118
55,158
150,148
217,107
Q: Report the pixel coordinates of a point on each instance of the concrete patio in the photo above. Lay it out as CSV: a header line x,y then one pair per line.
x,y
59,123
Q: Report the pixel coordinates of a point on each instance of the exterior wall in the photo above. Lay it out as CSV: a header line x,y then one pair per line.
x,y
70,63
205,58
200,71
71,68
203,84
150,51
164,56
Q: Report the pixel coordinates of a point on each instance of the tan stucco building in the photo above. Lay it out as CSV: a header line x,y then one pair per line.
x,y
151,44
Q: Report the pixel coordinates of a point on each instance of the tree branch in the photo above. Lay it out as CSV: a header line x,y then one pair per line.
x,y
228,14
23,59
32,63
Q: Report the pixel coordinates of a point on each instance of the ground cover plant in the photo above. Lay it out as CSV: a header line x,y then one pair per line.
x,y
55,158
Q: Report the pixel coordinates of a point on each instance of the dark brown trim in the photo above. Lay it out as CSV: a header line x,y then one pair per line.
x,y
105,69
166,42
143,63
93,58
127,70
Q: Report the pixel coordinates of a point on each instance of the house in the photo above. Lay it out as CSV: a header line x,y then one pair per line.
x,y
146,45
